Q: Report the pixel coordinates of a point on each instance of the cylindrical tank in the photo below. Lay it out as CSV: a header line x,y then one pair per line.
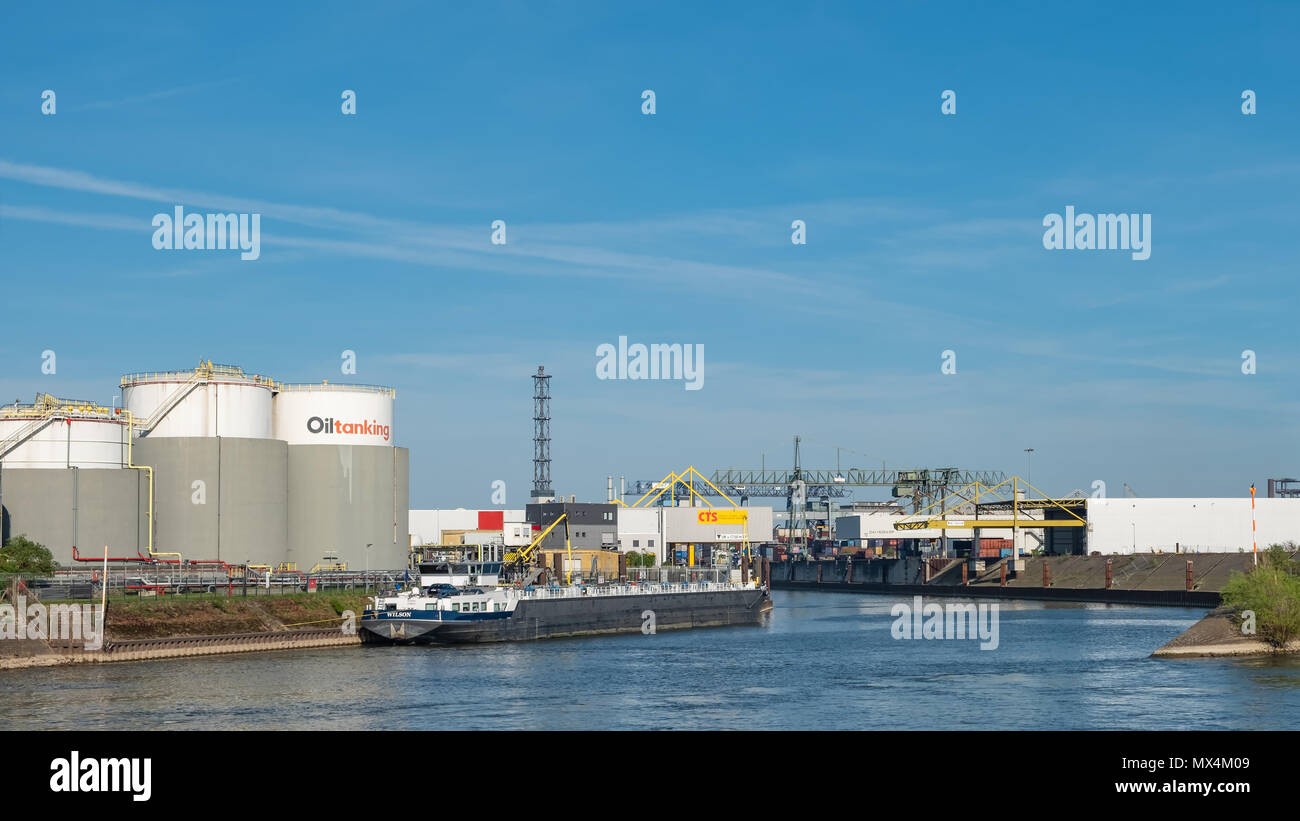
x,y
210,400
348,483
61,433
349,501
221,498
328,414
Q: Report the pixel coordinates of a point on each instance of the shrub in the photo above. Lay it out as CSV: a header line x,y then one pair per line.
x,y
1279,556
1272,592
22,555
637,559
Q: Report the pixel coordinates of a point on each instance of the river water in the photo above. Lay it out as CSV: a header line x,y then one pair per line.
x,y
823,661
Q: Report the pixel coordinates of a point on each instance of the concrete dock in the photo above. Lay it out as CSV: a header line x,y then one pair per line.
x,y
1168,579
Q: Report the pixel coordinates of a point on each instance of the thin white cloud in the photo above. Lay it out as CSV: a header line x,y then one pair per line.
x,y
151,96
38,213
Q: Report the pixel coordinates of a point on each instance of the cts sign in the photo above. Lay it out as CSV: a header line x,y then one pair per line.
x,y
722,517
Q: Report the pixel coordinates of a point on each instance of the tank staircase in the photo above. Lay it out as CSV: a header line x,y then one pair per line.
x,y
44,411
173,399
27,432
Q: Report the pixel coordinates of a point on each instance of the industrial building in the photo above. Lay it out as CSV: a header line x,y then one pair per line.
x,y
589,526
683,534
211,463
1113,526
1190,525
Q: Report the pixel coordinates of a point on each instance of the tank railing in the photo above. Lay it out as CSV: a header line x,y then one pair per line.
x,y
337,386
40,417
130,379
46,404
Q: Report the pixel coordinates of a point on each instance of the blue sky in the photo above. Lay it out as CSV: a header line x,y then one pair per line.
x,y
924,231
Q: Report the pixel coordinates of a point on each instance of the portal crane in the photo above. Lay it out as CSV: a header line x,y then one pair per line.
x,y
519,561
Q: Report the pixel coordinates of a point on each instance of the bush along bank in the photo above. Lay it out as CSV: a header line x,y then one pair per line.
x,y
1260,613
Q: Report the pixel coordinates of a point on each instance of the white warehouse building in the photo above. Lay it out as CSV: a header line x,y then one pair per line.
x,y
1131,525
1193,525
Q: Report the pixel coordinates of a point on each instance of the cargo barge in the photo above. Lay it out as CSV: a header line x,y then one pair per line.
x,y
442,613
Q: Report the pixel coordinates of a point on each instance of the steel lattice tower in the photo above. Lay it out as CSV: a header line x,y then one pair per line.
x,y
542,435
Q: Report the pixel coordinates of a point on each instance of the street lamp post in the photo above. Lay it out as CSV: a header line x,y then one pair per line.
x,y
1029,467
368,546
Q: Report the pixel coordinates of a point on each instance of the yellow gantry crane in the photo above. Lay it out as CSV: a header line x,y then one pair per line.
x,y
687,478
669,485
525,556
948,517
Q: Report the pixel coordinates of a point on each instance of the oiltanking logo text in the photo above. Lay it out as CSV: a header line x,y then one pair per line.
x,y
328,424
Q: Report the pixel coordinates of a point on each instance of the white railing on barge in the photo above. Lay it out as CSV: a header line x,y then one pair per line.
x,y
646,589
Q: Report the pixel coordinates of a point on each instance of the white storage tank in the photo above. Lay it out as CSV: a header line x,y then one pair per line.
x,y
326,414
209,400
61,433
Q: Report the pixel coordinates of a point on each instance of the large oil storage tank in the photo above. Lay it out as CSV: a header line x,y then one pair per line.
x,y
348,481
325,414
219,497
208,400
220,480
61,433
62,482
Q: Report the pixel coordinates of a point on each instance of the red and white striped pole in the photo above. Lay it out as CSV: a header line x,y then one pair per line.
x,y
1254,545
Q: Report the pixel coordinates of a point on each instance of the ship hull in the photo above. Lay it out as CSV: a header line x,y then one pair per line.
x,y
535,619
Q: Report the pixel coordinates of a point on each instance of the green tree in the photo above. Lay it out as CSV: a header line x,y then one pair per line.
x,y
1272,592
1279,556
21,555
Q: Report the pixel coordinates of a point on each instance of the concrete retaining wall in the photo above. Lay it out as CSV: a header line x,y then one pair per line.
x,y
1144,585
1158,598
148,649
49,506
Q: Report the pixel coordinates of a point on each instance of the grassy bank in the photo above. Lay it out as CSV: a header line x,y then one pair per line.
x,y
216,614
